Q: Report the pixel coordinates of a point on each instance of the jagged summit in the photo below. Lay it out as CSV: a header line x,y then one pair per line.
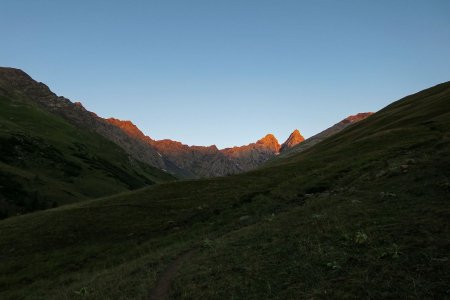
x,y
16,80
127,126
270,141
294,138
14,73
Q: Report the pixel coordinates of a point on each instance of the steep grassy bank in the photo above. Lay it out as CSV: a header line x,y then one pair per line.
x,y
46,162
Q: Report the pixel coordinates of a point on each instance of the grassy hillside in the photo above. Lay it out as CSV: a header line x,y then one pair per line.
x,y
363,214
46,162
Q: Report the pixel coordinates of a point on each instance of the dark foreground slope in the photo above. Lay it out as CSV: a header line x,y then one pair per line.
x,y
46,161
363,214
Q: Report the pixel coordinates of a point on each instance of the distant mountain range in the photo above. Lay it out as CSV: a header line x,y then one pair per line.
x,y
172,156
202,161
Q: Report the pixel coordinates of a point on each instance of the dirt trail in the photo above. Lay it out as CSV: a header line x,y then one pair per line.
x,y
161,289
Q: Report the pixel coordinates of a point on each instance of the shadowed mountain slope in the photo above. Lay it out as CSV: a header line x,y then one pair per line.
x,y
362,214
18,83
45,161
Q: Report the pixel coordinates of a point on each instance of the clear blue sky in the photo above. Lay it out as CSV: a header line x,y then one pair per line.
x,y
228,72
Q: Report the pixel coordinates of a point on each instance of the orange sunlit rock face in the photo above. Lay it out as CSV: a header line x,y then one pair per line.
x,y
294,139
270,141
128,127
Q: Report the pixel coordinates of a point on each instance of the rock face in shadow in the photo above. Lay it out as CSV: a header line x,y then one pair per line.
x,y
202,161
47,161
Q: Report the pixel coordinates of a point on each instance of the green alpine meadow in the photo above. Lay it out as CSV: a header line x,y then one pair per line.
x,y
362,214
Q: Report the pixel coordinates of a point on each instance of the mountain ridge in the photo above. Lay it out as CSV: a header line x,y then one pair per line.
x,y
175,157
46,161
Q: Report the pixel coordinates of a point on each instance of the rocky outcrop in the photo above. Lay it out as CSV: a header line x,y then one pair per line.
x,y
129,128
294,139
251,156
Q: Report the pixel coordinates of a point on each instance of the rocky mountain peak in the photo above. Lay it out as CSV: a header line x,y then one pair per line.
x,y
79,104
14,75
269,141
294,138
18,81
127,126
